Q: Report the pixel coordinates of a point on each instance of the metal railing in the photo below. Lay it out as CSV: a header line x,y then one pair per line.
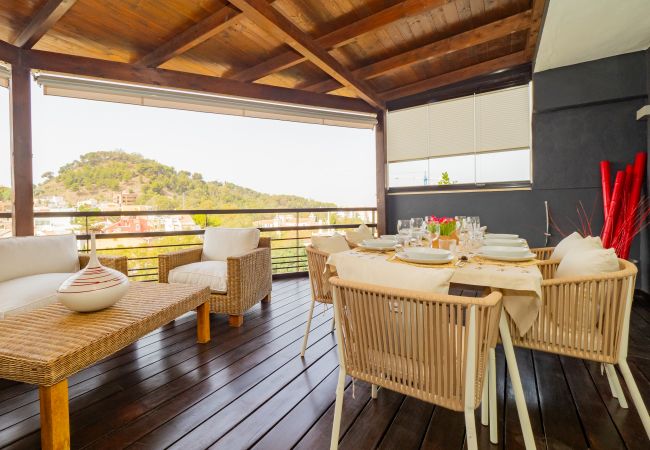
x,y
290,230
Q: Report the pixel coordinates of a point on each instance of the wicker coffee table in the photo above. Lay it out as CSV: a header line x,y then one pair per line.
x,y
48,345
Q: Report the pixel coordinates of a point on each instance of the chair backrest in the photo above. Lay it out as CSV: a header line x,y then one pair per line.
x,y
543,253
316,260
35,255
585,317
416,343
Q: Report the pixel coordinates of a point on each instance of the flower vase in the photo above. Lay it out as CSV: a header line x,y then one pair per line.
x,y
93,288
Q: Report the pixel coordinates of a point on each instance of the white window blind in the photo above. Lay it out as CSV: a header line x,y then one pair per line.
x,y
494,121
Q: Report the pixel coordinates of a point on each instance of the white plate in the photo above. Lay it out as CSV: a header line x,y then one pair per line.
x,y
528,257
376,248
504,250
381,243
501,236
405,257
427,253
504,242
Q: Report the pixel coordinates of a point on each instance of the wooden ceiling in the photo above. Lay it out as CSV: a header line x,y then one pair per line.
x,y
375,50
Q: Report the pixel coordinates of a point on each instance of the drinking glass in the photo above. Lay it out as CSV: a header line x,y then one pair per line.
x,y
403,230
433,229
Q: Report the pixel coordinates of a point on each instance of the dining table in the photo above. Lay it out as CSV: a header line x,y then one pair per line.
x,y
520,282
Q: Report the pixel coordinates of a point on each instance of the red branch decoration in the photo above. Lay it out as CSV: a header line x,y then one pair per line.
x,y
626,214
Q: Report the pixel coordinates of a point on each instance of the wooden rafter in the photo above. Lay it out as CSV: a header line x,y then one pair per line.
x,y
436,49
42,21
341,36
192,36
273,22
536,23
90,67
484,68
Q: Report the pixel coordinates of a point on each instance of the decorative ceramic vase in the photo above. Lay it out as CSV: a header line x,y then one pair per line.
x,y
95,287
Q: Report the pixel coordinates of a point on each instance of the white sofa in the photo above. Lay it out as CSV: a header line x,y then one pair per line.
x,y
32,268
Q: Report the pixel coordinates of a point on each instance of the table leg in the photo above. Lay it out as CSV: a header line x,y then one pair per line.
x,y
513,371
55,416
203,323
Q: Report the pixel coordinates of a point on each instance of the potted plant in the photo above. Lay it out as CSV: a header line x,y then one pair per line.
x,y
442,228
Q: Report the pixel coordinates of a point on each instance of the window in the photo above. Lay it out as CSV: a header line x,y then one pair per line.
x,y
473,140
5,154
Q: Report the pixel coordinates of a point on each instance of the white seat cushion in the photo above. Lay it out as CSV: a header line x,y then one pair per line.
x,y
329,244
220,243
580,262
205,273
24,294
33,255
575,241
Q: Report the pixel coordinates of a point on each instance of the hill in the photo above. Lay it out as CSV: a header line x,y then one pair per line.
x,y
102,174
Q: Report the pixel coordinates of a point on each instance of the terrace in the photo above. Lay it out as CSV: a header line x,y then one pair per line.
x,y
498,109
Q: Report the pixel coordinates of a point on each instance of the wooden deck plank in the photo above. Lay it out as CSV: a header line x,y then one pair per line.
x,y
249,388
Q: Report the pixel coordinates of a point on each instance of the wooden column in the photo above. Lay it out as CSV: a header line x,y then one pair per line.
x,y
380,152
21,151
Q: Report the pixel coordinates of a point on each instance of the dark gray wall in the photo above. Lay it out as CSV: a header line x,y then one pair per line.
x,y
582,114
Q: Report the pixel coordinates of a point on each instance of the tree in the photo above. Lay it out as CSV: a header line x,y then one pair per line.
x,y
48,175
444,179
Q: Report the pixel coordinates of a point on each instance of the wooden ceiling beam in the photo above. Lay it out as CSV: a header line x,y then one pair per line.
x,y
129,73
274,23
42,21
191,37
341,36
433,50
484,68
539,6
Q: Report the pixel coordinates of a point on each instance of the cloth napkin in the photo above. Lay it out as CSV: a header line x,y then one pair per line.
x,y
356,236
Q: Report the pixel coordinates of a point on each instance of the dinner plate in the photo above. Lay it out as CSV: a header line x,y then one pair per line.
x,y
427,253
404,257
528,257
505,242
501,236
374,248
501,250
380,243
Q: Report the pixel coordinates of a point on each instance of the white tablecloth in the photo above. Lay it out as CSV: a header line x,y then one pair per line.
x,y
521,285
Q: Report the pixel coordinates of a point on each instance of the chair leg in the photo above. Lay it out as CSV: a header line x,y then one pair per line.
x,y
333,324
470,429
615,384
338,409
267,299
492,394
609,381
373,391
485,403
236,321
304,341
636,395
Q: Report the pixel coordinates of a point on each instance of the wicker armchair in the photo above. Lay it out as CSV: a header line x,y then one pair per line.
x,y
588,317
249,279
429,346
316,260
118,263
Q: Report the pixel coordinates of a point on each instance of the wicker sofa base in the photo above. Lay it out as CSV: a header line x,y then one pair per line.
x,y
218,305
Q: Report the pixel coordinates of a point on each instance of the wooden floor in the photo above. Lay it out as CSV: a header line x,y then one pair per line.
x,y
248,388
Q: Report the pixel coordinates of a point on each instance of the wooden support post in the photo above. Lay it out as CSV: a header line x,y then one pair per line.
x,y
21,151
55,416
203,323
380,152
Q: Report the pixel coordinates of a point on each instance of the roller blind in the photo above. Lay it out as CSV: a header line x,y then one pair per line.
x,y
92,89
487,122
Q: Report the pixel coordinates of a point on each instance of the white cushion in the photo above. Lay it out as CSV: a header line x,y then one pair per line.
x,y
220,243
575,241
360,234
24,294
581,262
33,255
213,274
329,244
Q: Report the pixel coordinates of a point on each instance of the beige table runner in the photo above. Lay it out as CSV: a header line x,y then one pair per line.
x,y
521,285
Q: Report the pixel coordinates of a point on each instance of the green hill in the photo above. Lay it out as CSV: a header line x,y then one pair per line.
x,y
101,175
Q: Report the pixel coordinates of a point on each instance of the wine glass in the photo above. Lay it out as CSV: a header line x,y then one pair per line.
x,y
403,229
417,230
433,228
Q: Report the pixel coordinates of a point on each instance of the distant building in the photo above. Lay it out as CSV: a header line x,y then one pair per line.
x,y
129,224
126,198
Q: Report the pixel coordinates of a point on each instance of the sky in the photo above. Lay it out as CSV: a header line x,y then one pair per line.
x,y
326,163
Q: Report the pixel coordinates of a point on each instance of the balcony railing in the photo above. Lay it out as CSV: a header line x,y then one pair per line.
x,y
143,235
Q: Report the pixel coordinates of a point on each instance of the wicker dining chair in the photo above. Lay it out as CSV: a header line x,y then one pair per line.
x,y
316,260
433,347
588,317
249,279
